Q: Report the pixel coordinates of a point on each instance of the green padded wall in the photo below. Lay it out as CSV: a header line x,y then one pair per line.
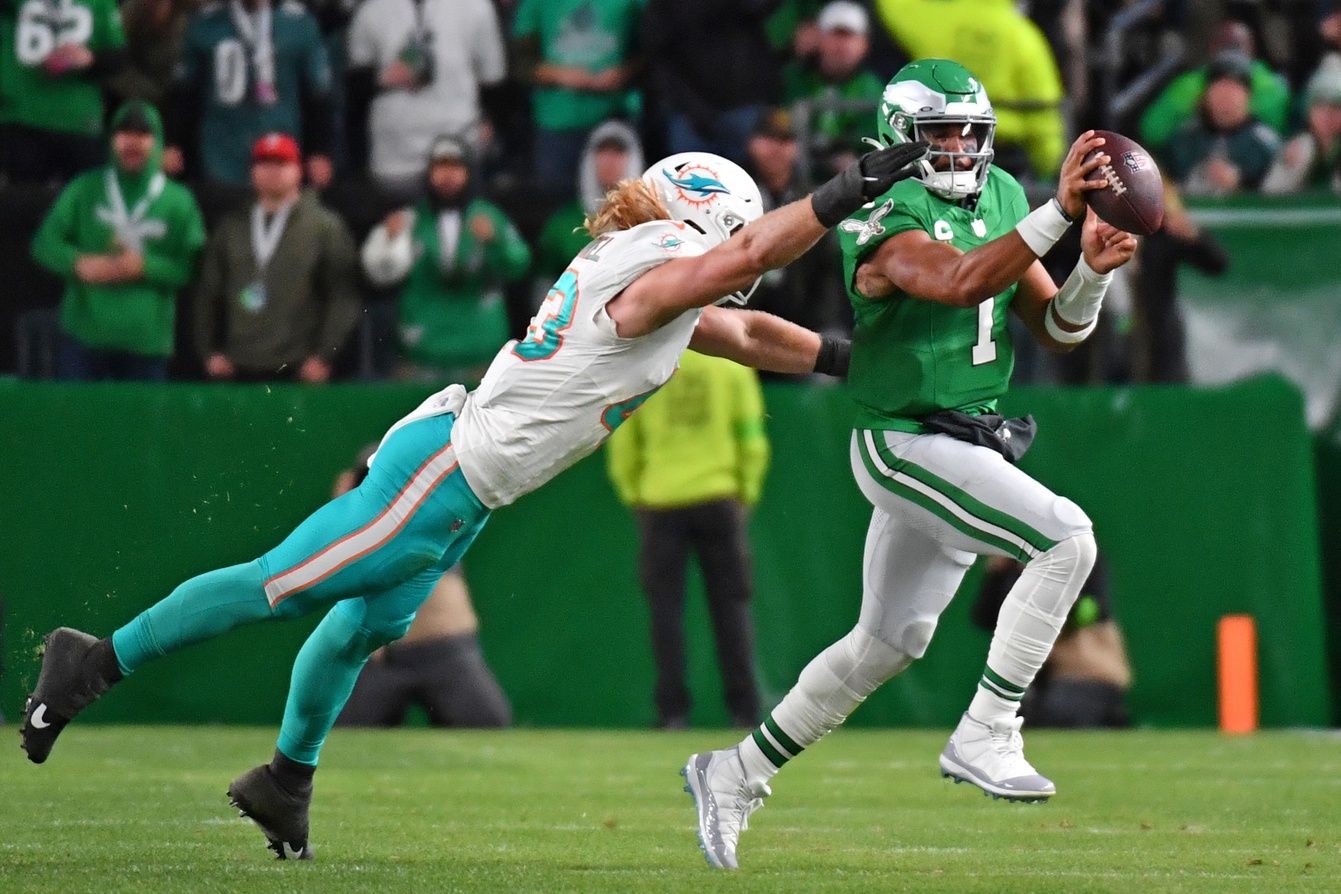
x,y
1203,499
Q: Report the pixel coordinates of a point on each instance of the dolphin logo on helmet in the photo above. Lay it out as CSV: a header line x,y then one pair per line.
x,y
712,195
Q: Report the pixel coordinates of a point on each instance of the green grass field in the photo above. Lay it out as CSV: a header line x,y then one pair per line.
x,y
142,809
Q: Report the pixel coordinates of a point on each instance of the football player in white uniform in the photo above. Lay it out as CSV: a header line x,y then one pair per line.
x,y
664,249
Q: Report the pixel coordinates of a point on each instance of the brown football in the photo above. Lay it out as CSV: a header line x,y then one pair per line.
x,y
1133,200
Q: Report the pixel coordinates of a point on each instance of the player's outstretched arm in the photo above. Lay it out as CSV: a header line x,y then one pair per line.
x,y
914,263
774,240
763,341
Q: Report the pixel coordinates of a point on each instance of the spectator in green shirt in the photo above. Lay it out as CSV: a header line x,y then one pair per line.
x,y
53,59
691,463
1224,149
1312,159
451,252
613,153
580,56
125,239
840,91
1269,93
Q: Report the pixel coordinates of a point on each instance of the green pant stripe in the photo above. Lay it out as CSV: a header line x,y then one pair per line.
x,y
780,737
985,684
905,492
963,498
1001,682
767,748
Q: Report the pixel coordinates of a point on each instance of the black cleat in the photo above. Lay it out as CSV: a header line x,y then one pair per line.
x,y
280,814
76,669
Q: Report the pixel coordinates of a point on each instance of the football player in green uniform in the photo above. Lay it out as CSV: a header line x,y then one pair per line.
x,y
932,267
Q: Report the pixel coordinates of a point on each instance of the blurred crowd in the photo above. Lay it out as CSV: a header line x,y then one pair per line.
x,y
260,190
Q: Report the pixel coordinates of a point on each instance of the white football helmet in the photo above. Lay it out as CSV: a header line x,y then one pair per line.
x,y
712,194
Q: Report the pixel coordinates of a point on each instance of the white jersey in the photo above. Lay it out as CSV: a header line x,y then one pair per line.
x,y
553,397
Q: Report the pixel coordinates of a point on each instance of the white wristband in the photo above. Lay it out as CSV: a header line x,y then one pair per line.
x,y
1042,227
1077,302
1061,335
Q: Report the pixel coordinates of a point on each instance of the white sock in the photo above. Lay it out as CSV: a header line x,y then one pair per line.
x,y
828,690
1031,617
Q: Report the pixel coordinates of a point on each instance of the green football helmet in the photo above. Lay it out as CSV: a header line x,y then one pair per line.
x,y
936,92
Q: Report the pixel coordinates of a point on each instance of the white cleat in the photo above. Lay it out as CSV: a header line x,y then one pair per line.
x,y
991,756
725,799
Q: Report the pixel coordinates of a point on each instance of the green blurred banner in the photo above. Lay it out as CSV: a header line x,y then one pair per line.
x,y
112,494
1278,307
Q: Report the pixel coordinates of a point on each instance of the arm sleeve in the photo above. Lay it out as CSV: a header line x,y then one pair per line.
x,y
508,255
343,304
751,435
623,460
318,105
360,88
174,265
185,94
1270,100
53,245
209,298
489,54
109,34
387,261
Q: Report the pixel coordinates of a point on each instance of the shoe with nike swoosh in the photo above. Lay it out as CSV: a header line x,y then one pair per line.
x,y
279,813
76,669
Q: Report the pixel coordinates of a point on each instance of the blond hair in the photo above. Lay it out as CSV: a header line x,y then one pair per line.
x,y
630,203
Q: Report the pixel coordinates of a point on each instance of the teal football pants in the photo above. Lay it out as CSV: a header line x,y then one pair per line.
x,y
373,554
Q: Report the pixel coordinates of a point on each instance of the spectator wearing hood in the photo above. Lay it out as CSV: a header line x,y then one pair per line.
x,y
612,154
1312,159
1224,149
277,298
451,251
53,58
580,57
125,239
1233,46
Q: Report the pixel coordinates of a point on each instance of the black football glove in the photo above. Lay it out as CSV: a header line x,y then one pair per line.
x,y
872,176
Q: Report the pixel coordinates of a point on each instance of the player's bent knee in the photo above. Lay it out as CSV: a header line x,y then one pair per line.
x,y
916,637
1071,519
872,658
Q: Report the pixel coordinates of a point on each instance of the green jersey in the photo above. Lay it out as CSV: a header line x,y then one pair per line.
x,y
29,31
912,357
219,53
452,314
590,34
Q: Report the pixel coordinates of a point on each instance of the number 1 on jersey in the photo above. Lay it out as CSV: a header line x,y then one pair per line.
x,y
985,350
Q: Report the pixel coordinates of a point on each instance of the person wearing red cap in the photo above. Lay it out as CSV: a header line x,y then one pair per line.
x,y
277,296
